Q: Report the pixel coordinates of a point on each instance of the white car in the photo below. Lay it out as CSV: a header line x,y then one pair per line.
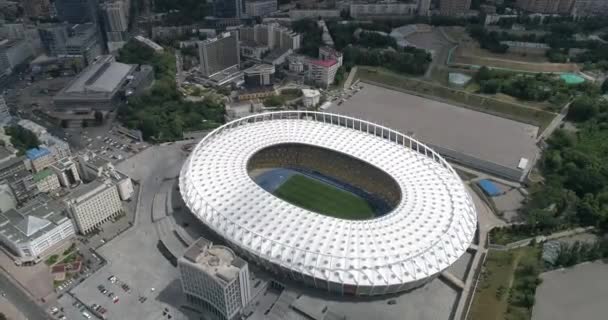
x,y
86,315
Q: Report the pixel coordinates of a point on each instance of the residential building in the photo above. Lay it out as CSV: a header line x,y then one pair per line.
x,y
23,186
40,158
454,7
214,279
228,8
36,8
76,11
46,180
270,35
323,72
260,75
586,8
219,53
10,165
277,56
59,149
260,8
12,31
6,153
95,88
327,53
383,10
30,231
546,6
5,115
310,98
7,199
116,20
314,14
92,204
67,172
14,53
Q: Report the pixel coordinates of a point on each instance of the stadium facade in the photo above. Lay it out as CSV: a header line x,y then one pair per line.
x,y
430,226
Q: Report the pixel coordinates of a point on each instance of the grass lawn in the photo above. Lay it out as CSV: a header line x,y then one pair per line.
x,y
501,286
486,104
318,196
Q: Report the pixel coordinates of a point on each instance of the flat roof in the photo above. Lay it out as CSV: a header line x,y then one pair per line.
x,y
32,220
217,261
477,134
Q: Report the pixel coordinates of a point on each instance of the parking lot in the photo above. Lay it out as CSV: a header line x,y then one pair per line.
x,y
107,142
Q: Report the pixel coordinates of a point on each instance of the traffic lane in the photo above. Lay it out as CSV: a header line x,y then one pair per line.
x,y
21,300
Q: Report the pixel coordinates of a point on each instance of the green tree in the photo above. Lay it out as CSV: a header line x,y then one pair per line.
x,y
582,109
21,138
605,86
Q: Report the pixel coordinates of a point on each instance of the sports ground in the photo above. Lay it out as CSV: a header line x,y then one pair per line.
x,y
319,196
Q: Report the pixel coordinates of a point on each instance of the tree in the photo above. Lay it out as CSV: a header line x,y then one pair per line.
x,y
605,86
582,109
2,316
98,117
21,138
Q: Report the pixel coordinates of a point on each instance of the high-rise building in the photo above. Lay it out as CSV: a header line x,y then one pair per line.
x,y
66,172
5,116
271,35
116,20
36,8
228,8
546,6
260,8
454,7
215,279
84,43
586,8
219,53
76,11
54,38
92,204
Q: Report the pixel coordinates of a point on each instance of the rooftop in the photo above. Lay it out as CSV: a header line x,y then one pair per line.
x,y
32,220
324,63
87,190
310,93
36,153
39,176
102,77
218,261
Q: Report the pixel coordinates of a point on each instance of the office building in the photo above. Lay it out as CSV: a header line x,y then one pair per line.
x,y
92,204
54,38
40,158
454,7
260,75
587,8
84,43
14,53
219,53
5,115
76,11
30,231
214,279
92,166
116,20
46,180
546,6
67,172
95,88
36,8
383,10
260,8
228,8
310,98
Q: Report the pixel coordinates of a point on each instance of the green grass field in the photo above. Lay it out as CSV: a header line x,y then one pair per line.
x,y
323,198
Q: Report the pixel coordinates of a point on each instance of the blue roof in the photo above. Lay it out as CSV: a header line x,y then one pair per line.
x,y
35,153
489,187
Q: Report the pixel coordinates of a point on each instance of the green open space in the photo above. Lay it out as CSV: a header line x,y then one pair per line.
x,y
457,97
318,196
507,285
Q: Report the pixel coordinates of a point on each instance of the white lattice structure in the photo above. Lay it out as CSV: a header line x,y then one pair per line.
x,y
428,230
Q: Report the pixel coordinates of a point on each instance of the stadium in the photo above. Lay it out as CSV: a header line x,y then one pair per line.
x,y
334,202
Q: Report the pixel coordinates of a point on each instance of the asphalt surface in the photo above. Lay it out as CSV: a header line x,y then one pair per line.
x,y
20,300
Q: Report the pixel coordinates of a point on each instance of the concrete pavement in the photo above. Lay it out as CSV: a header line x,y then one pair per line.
x,y
16,296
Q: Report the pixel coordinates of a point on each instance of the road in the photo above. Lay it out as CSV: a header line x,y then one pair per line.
x,y
21,300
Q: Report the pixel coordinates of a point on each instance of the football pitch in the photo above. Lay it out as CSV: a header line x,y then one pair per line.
x,y
318,196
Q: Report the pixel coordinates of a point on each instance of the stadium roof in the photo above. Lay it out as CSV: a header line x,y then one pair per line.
x,y
430,228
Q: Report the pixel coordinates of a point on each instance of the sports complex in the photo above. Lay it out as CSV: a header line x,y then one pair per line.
x,y
334,202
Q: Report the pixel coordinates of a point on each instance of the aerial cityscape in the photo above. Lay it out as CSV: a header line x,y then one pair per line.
x,y
304,159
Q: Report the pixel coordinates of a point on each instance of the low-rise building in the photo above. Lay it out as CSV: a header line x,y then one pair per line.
x,y
14,53
23,186
383,10
258,93
40,158
92,204
36,227
260,75
314,13
277,56
7,198
5,116
323,72
310,98
149,43
260,8
215,280
46,180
